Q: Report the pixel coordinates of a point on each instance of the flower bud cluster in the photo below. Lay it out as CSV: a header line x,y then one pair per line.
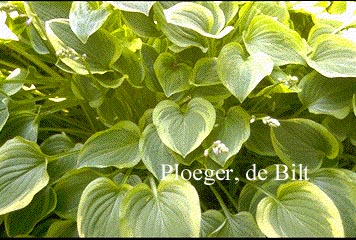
x,y
218,147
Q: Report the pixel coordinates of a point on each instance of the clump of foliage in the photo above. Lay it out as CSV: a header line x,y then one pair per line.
x,y
97,96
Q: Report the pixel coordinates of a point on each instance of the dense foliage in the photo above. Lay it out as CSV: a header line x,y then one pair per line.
x,y
100,99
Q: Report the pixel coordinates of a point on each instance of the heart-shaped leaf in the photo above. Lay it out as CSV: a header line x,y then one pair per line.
x,y
118,146
330,96
183,130
85,18
22,173
282,44
155,153
300,209
303,141
172,75
205,72
233,131
240,73
171,210
98,210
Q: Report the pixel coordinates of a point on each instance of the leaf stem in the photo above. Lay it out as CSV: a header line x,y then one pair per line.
x,y
66,130
126,176
153,186
61,155
232,200
220,200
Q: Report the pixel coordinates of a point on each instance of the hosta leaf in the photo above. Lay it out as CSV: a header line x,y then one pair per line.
x,y
208,20
155,153
183,130
10,87
133,6
23,221
205,72
340,128
98,211
117,146
172,75
101,49
273,38
210,221
240,73
63,228
148,55
23,124
85,18
333,56
49,10
303,141
229,9
340,186
260,139
233,131
239,225
330,96
22,174
141,24
69,189
132,180
172,210
4,111
300,209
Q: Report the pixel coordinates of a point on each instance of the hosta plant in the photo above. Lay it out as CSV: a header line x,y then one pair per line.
x,y
177,119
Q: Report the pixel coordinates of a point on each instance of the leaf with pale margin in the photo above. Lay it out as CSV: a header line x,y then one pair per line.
x,y
84,20
331,96
209,20
117,146
172,75
282,44
300,209
333,56
155,153
303,141
98,210
183,130
133,6
210,221
240,73
340,186
170,210
23,173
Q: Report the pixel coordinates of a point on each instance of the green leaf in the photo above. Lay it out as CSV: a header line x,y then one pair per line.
x,y
251,69
21,123
69,189
101,50
183,130
208,20
303,141
333,56
56,144
354,103
229,9
205,72
49,10
98,211
4,111
283,45
141,24
23,221
136,6
9,87
239,225
340,186
172,75
233,131
300,209
85,18
155,153
132,180
210,221
340,128
260,140
117,146
63,229
22,174
331,96
149,55
172,210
